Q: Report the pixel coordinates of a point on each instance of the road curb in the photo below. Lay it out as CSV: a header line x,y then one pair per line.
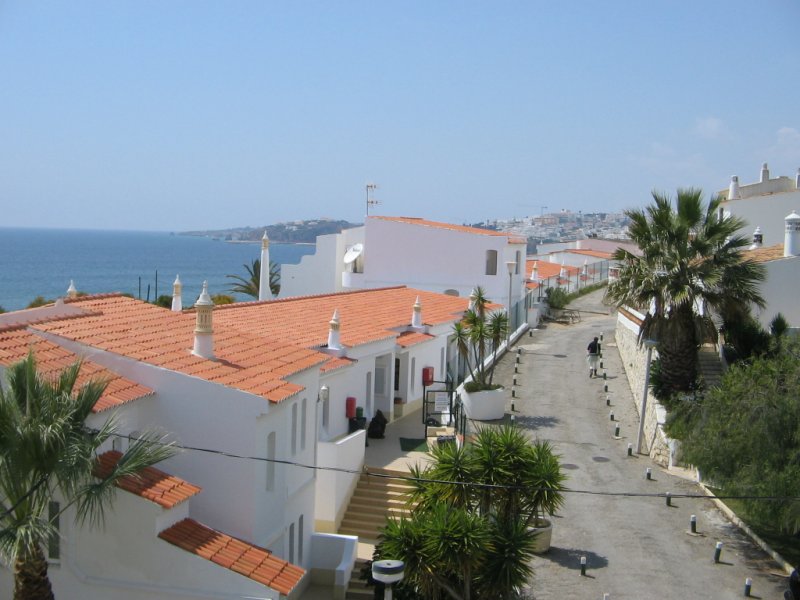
x,y
746,528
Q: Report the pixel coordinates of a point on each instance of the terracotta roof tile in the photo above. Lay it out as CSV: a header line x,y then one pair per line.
x,y
239,556
151,484
546,269
512,239
410,338
594,253
257,345
765,254
15,343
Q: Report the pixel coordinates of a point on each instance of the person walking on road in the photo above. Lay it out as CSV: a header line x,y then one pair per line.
x,y
594,355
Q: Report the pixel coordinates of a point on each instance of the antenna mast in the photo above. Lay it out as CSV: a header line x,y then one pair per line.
x,y
371,187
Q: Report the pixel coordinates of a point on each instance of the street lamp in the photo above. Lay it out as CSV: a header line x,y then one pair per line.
x,y
511,266
649,344
388,572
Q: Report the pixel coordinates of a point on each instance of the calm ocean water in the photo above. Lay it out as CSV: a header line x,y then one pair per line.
x,y
41,262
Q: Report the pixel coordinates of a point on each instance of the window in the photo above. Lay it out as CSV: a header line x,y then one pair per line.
x,y
369,395
326,410
291,543
294,429
303,415
491,262
413,373
441,361
518,261
54,542
396,374
300,540
270,461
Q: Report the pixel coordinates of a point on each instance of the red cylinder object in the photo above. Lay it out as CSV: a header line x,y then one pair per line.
x,y
427,376
350,407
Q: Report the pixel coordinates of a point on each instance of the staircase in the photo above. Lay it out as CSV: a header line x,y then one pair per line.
x,y
710,366
374,499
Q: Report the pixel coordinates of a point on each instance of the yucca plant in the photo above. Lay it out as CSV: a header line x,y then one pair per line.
x,y
478,335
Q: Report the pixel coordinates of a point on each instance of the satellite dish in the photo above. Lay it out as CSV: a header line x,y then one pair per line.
x,y
353,253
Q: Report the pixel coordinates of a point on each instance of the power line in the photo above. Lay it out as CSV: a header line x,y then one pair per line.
x,y
412,479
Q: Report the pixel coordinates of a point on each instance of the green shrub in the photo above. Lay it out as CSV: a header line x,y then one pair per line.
x,y
556,297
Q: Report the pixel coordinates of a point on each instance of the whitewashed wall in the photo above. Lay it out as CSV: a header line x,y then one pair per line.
x,y
767,211
127,561
781,291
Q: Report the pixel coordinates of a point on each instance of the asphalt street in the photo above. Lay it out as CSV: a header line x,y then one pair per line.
x,y
636,546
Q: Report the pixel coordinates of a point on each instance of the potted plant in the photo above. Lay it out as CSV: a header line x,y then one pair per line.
x,y
543,489
478,337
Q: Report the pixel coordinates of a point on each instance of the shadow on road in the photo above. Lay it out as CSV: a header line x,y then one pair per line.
x,y
539,422
570,558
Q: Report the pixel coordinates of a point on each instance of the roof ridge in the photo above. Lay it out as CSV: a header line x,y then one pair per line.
x,y
305,297
68,300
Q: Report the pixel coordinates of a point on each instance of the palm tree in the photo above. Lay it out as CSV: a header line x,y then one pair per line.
x,y
470,532
250,285
692,263
47,453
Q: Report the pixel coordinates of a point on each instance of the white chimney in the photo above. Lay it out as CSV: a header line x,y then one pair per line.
x,y
177,301
733,189
203,330
764,173
334,339
72,292
791,241
758,239
535,271
473,297
264,291
416,315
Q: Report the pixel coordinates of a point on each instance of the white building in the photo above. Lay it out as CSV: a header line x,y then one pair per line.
x,y
427,255
763,204
781,288
265,381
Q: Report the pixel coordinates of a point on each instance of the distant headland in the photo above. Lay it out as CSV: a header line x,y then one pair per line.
x,y
294,232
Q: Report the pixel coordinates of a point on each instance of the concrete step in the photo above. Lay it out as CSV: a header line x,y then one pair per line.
x,y
356,588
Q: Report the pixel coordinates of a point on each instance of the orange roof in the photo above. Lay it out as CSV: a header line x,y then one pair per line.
x,y
765,254
257,345
160,337
594,253
151,484
51,359
335,363
364,315
231,553
546,269
512,239
410,338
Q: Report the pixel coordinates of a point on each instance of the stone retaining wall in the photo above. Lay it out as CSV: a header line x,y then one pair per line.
x,y
634,356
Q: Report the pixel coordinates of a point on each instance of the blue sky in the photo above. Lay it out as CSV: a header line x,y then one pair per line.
x,y
189,114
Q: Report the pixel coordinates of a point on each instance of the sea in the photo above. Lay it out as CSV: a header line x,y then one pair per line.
x,y
41,262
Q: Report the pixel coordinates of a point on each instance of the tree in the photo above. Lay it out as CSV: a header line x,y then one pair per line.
x,y
692,263
469,534
47,452
745,436
250,285
480,332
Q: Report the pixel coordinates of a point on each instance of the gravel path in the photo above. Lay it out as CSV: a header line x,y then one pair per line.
x,y
636,547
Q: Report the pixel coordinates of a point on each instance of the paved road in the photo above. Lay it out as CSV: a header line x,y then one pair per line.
x,y
636,548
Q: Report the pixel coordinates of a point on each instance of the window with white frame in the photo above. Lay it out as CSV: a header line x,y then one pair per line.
x,y
300,539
